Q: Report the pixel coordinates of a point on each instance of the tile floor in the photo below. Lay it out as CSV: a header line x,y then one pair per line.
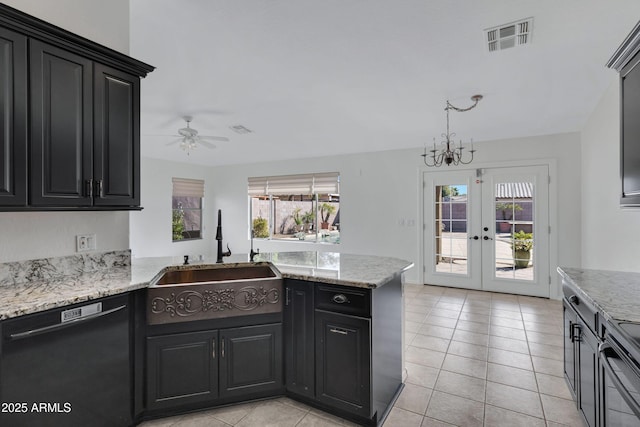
x,y
472,359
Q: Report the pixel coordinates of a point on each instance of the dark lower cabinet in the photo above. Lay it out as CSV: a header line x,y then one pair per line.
x,y
250,360
581,364
299,338
13,118
187,369
182,369
343,362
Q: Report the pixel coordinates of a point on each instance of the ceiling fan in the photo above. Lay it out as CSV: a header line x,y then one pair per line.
x,y
189,138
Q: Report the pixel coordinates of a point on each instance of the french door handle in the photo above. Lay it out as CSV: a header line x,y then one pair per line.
x,y
487,238
474,238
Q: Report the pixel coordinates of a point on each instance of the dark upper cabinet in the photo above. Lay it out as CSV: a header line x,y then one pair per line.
x,y
13,118
626,60
61,127
82,150
116,137
299,358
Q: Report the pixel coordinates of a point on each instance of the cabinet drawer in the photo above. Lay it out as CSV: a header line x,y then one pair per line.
x,y
343,299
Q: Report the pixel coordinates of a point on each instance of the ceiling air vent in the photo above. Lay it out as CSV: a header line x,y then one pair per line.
x,y
240,129
509,35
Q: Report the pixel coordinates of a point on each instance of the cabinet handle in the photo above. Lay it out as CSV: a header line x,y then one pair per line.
x,y
340,298
287,297
100,189
222,351
213,346
338,331
576,330
89,187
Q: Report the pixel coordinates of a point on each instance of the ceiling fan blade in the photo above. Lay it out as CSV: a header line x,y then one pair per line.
x,y
214,138
174,142
161,136
206,144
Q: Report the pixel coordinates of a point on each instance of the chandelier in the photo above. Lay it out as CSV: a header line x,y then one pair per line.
x,y
450,153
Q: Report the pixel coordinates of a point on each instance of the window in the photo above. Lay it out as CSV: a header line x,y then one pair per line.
x,y
186,209
296,207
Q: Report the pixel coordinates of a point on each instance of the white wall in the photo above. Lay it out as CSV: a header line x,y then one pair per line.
x,y
377,190
610,234
151,227
104,22
46,234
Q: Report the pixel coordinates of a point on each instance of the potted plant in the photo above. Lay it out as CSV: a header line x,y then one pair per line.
x,y
521,245
326,210
308,219
260,228
507,210
297,219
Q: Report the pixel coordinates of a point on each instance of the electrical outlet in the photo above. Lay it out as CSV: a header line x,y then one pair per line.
x,y
85,242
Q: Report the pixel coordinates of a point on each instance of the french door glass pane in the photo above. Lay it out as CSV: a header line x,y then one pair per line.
x,y
514,208
451,229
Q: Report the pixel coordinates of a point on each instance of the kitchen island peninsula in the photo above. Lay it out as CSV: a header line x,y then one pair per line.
x,y
323,328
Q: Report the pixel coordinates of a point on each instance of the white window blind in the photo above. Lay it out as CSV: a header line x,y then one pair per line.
x,y
183,187
322,183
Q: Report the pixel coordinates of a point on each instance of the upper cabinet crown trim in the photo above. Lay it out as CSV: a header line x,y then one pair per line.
x,y
33,27
627,50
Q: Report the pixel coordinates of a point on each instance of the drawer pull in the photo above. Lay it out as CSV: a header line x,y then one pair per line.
x,y
340,299
339,331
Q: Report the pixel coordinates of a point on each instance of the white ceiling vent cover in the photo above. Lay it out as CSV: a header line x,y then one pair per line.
x,y
509,35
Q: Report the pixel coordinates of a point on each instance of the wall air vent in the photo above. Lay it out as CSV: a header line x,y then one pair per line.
x,y
509,35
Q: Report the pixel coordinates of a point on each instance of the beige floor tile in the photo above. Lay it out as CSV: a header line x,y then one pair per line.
x,y
544,338
471,337
465,349
461,385
455,410
513,333
499,417
233,414
510,358
424,376
414,398
447,322
272,414
436,331
291,402
514,399
424,356
507,322
470,316
547,351
430,422
506,314
313,420
554,329
415,308
431,343
562,411
472,307
401,418
466,366
505,306
451,304
200,419
410,326
553,386
512,376
548,366
328,417
162,422
479,328
550,318
442,312
414,317
519,346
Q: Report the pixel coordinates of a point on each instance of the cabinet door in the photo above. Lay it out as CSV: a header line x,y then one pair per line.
x,y
116,138
181,369
61,127
570,320
250,360
343,362
299,338
588,367
13,118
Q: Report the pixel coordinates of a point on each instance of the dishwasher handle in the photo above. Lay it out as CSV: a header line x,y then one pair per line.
x,y
58,326
629,399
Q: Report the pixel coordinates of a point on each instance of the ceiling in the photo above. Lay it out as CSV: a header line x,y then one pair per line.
x,y
314,78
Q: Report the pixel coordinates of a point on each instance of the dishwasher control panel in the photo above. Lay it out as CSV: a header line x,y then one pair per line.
x,y
80,312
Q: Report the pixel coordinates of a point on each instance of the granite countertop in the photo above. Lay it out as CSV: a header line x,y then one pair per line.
x,y
33,286
616,294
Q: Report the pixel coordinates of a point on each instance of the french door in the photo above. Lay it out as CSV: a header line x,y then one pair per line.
x,y
488,229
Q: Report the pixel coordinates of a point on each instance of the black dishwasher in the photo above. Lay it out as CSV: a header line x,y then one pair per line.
x,y
68,367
